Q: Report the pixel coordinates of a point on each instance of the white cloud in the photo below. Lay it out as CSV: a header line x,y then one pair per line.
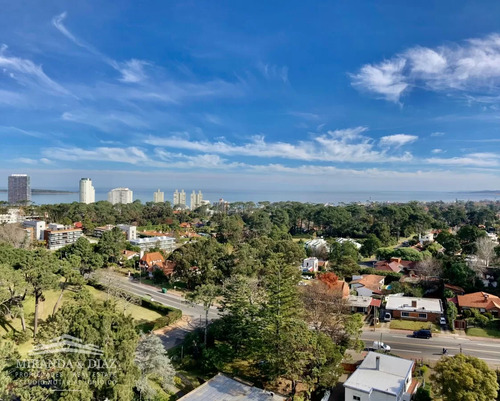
x,y
27,73
273,72
107,122
436,151
133,71
438,133
129,155
347,145
469,160
472,66
397,140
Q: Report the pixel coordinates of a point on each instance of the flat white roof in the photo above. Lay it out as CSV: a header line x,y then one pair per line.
x,y
151,239
359,301
389,378
402,303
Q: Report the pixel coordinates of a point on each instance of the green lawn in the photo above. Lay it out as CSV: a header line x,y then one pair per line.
x,y
491,330
412,325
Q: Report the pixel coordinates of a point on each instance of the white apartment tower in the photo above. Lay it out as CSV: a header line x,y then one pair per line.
x,y
87,191
179,198
158,197
196,200
120,195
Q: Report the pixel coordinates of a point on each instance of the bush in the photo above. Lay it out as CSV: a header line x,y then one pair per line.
x,y
488,315
19,337
423,394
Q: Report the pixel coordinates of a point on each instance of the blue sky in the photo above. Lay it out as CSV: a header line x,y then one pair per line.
x,y
252,95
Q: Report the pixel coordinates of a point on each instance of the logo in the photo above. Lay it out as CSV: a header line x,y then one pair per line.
x,y
66,344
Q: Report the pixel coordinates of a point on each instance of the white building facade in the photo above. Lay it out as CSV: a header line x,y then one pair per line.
x,y
120,195
179,198
87,191
165,243
158,197
196,200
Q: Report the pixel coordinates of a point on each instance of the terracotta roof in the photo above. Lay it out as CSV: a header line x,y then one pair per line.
x,y
167,267
454,288
479,300
386,266
342,287
370,281
150,258
376,302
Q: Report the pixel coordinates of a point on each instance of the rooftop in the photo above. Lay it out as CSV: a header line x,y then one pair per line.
x,y
412,304
389,378
481,300
359,302
223,388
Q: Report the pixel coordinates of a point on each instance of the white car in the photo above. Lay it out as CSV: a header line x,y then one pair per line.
x,y
442,321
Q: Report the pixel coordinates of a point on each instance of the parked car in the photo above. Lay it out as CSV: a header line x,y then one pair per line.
x,y
422,334
387,317
379,345
442,321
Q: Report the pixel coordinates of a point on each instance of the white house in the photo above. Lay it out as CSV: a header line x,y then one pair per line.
x,y
355,243
368,284
381,377
310,265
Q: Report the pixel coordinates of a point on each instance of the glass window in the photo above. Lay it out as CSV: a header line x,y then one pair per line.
x,y
422,315
355,397
405,314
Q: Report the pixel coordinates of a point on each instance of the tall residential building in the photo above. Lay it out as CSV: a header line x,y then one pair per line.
x,y
158,197
120,195
179,198
196,200
19,188
87,191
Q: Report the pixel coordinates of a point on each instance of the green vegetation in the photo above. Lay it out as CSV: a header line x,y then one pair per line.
x,y
491,329
413,326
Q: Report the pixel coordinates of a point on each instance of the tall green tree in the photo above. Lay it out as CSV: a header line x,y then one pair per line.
x,y
464,378
206,294
111,244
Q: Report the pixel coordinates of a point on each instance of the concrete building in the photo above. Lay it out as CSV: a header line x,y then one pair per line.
x,y
130,231
159,197
411,308
196,200
87,191
12,216
179,198
381,377
58,236
37,226
310,265
164,242
19,189
223,388
120,195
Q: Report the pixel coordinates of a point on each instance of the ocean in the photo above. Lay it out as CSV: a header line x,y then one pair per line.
x,y
276,196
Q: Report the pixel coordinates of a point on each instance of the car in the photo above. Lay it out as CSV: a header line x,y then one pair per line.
x,y
387,317
379,345
442,321
422,334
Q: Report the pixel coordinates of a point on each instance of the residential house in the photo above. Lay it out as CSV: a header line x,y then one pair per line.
x,y
151,259
323,265
310,265
343,240
360,304
128,255
224,388
368,284
411,308
455,289
481,301
381,377
395,265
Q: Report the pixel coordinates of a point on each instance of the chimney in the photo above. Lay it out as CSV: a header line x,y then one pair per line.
x,y
413,304
377,363
485,297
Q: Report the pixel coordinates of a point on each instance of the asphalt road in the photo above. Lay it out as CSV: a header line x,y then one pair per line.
x,y
431,349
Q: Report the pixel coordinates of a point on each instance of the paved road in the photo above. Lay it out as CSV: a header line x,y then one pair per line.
x,y
195,313
431,349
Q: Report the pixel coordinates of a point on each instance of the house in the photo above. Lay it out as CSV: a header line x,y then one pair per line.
x,y
224,388
411,308
360,304
128,255
368,284
381,377
395,265
482,301
344,240
151,259
455,289
323,264
310,265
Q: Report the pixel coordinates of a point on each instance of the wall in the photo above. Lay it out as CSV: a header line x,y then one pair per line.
x,y
431,317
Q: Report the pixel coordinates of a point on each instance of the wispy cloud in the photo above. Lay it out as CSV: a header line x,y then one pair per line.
x,y
438,133
473,66
273,72
19,131
397,140
305,115
128,155
107,122
347,145
436,151
27,73
485,159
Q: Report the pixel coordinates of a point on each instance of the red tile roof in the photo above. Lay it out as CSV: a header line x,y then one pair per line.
x,y
479,300
370,281
152,257
376,302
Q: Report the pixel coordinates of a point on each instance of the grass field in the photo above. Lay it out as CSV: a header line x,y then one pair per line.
x,y
492,330
411,325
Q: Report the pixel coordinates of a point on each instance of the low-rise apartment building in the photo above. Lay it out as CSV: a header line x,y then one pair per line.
x,y
58,236
145,244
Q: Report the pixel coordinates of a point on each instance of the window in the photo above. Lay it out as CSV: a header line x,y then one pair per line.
x,y
422,315
405,314
355,397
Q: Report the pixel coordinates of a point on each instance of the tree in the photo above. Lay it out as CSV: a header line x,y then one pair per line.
x,y
464,378
13,290
205,294
111,244
468,235
450,242
14,235
39,272
485,250
429,268
371,244
451,313
8,356
153,362
71,276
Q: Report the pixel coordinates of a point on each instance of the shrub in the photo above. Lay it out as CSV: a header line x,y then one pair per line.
x,y
423,394
488,315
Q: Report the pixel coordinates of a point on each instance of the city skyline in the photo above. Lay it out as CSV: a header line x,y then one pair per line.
x,y
376,110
